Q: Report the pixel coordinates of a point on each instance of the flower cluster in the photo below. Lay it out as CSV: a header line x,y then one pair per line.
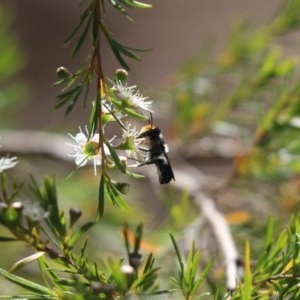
x,y
87,147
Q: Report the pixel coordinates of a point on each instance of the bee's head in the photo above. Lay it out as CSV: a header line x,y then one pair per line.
x,y
149,130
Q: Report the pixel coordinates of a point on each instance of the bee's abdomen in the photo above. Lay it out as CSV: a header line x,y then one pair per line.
x,y
165,172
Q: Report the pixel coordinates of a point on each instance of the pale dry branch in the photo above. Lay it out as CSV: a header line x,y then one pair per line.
x,y
35,142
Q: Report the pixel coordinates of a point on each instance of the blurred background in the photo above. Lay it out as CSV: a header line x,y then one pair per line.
x,y
195,45
174,29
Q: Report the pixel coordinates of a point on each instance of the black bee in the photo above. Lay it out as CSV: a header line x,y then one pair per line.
x,y
157,152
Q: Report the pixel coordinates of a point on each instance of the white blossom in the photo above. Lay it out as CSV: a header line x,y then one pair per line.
x,y
130,137
86,149
7,163
132,96
34,211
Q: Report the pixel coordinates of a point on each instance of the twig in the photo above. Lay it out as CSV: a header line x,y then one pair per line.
x,y
35,142
222,233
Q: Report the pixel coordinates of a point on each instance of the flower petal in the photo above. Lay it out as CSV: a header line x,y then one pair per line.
x,y
81,160
7,163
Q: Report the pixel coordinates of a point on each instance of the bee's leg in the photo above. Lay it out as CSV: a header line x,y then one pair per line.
x,y
148,162
144,149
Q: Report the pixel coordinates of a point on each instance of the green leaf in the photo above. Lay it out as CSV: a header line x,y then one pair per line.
x,y
204,273
146,280
87,89
56,220
36,190
119,58
140,4
134,175
138,238
83,17
25,261
101,196
126,51
81,38
79,233
3,185
70,96
115,197
116,158
135,4
7,239
149,263
192,263
248,275
72,103
69,93
93,120
270,231
120,8
118,48
82,251
126,239
27,284
179,258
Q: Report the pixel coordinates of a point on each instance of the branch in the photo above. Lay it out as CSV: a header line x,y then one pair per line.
x,y
35,142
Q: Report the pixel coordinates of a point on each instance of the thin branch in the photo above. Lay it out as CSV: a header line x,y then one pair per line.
x,y
223,235
36,143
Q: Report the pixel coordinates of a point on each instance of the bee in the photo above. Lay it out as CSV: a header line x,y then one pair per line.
x,y
157,151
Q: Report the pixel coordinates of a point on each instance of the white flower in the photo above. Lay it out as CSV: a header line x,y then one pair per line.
x,y
86,149
131,143
107,107
34,211
132,96
7,163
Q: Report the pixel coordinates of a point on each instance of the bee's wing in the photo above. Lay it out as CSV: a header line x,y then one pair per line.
x,y
166,148
168,166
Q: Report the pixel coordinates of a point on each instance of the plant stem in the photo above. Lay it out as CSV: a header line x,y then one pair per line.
x,y
100,78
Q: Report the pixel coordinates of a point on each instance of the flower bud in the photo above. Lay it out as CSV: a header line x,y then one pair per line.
x,y
121,75
127,269
99,287
63,73
122,187
75,214
13,215
135,259
18,206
